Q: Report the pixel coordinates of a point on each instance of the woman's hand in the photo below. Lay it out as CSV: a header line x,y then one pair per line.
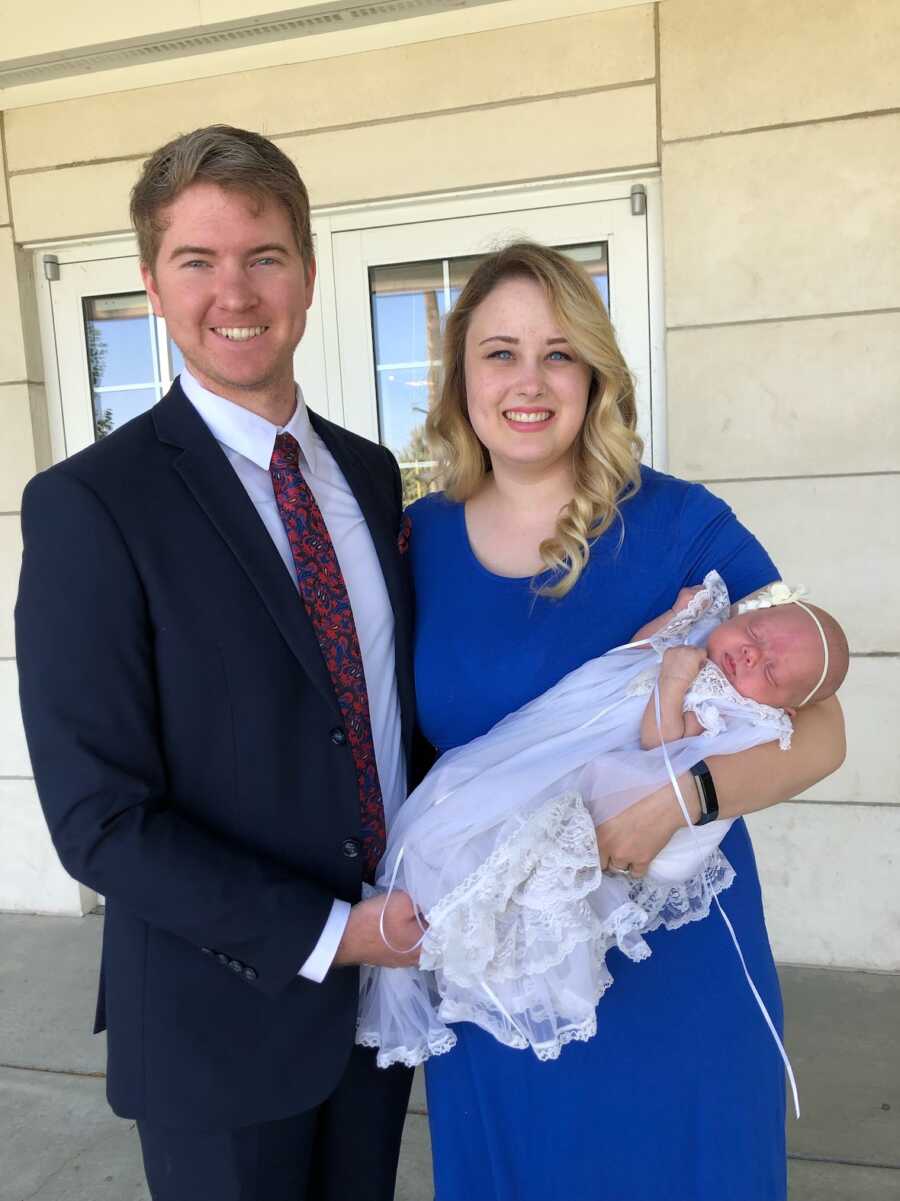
x,y
745,782
630,841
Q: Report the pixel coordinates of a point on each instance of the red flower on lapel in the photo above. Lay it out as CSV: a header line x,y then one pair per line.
x,y
403,536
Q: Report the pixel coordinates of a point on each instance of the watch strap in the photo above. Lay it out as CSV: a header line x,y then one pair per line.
x,y
706,792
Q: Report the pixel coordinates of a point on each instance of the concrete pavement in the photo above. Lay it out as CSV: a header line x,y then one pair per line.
x,y
61,1143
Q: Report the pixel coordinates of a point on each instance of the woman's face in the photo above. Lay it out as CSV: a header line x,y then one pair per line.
x,y
527,392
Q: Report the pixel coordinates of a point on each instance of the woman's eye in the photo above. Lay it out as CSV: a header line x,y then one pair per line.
x,y
500,354
560,356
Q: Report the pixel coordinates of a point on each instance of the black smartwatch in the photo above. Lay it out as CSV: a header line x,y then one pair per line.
x,y
706,791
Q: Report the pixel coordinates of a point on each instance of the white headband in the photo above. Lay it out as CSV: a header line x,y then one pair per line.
x,y
781,594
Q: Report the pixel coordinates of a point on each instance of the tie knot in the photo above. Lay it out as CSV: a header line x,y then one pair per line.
x,y
286,454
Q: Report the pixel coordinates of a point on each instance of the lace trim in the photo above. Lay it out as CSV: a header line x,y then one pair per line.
x,y
409,1057
711,601
711,688
579,1032
533,926
524,908
674,905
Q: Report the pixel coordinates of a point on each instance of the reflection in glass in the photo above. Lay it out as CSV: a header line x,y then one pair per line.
x,y
410,302
593,258
123,364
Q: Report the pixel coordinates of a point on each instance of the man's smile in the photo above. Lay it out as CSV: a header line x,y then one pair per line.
x,y
238,333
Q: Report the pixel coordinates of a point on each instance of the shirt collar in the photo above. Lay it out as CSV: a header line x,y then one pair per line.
x,y
247,433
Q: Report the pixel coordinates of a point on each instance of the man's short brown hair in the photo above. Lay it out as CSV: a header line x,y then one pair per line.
x,y
235,160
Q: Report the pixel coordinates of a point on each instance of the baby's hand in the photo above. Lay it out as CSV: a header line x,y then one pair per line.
x,y
682,663
684,597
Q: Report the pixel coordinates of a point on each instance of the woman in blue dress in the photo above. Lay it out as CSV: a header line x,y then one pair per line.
x,y
551,545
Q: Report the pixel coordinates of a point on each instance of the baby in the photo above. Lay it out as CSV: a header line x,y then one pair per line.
x,y
776,650
497,846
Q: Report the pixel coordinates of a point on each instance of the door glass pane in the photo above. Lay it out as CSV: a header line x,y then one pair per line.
x,y
123,363
595,262
114,408
410,302
175,358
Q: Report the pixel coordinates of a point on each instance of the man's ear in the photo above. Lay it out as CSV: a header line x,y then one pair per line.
x,y
150,285
310,281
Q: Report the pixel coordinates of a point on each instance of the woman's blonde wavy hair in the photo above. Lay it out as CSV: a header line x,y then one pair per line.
x,y
607,451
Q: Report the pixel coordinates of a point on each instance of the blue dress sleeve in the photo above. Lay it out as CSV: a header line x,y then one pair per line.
x,y
710,537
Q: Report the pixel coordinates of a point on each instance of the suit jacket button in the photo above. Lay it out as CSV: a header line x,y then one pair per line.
x,y
235,965
338,737
351,848
250,973
222,958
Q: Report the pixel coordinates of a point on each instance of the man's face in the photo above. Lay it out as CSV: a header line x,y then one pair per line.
x,y
233,289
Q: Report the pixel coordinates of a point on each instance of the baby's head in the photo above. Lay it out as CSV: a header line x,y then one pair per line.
x,y
776,655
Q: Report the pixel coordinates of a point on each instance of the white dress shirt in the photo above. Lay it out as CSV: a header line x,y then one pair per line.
x,y
248,441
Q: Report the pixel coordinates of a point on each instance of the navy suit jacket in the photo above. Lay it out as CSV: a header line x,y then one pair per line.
x,y
184,735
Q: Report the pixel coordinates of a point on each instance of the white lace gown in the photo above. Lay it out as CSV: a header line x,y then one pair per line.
x,y
497,848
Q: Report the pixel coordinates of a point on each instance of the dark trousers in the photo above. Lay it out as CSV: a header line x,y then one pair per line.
x,y
346,1148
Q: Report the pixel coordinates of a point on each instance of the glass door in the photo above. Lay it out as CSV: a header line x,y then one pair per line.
x,y
395,285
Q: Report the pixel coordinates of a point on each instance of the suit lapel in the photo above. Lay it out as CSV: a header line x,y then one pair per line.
x,y
216,488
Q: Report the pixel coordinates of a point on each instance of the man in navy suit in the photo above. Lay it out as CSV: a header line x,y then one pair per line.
x,y
216,684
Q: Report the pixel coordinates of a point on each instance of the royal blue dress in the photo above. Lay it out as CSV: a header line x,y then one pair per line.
x,y
680,1095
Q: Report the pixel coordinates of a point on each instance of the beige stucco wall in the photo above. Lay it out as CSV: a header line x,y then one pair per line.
x,y
30,874
776,126
782,232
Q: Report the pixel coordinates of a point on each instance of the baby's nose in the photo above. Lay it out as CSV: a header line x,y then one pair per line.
x,y
750,654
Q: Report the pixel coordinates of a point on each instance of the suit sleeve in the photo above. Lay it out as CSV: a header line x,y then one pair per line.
x,y
88,695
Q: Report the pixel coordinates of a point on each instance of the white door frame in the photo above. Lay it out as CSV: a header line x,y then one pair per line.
x,y
323,387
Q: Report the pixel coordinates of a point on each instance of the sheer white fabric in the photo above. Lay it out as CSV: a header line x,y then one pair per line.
x,y
497,849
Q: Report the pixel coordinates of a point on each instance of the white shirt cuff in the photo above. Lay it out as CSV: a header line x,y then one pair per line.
x,y
323,953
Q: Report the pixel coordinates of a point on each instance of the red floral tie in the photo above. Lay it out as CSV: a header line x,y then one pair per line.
x,y
325,596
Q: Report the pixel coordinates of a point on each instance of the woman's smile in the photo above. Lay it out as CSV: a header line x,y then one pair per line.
x,y
528,420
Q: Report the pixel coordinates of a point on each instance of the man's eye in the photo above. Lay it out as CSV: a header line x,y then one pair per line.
x,y
264,262
195,263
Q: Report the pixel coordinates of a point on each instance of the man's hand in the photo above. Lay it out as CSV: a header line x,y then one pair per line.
x,y
362,941
632,839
